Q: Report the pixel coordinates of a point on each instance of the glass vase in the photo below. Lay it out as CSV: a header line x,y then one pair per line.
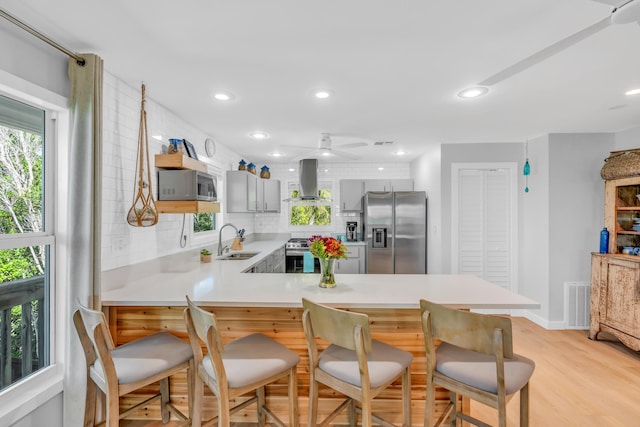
x,y
327,276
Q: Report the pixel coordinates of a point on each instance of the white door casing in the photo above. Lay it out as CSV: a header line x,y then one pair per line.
x,y
484,212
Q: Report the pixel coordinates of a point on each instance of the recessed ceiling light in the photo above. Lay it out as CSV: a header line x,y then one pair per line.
x,y
632,92
223,96
380,169
322,94
276,154
259,135
292,170
326,153
400,153
473,92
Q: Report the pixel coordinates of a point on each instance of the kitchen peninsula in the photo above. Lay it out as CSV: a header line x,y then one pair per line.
x,y
140,300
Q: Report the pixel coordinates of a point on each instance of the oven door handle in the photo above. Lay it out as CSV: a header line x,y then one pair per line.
x,y
295,252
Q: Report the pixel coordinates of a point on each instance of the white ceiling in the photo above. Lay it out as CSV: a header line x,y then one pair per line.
x,y
394,67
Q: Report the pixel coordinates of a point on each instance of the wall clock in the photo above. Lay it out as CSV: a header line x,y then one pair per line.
x,y
210,147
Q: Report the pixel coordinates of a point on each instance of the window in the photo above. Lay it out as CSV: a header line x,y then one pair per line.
x,y
305,213
26,241
204,222
205,225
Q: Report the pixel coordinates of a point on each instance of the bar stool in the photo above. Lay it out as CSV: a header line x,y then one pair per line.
x,y
353,364
117,371
245,365
475,359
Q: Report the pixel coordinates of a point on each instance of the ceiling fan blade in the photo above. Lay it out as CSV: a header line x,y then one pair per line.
x,y
546,52
308,155
344,154
297,147
352,145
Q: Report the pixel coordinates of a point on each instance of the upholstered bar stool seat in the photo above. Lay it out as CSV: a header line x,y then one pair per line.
x,y
145,357
251,359
385,363
117,371
479,370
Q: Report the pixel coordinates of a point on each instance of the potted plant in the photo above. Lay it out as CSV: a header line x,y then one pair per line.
x,y
205,255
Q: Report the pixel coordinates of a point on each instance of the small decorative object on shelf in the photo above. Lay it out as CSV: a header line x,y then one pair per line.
x,y
251,168
264,172
242,165
205,255
327,250
175,146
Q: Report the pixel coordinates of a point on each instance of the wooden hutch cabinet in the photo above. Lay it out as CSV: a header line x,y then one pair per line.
x,y
615,276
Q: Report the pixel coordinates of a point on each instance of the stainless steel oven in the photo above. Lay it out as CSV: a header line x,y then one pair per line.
x,y
294,256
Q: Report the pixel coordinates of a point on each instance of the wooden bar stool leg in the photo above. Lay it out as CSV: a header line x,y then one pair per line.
x,y
406,398
524,406
353,415
313,403
262,416
294,415
112,408
90,403
196,415
164,399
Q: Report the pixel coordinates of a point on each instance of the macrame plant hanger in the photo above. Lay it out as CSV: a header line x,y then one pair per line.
x,y
143,212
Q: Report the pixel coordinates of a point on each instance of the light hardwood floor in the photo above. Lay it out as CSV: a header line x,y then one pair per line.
x,y
577,382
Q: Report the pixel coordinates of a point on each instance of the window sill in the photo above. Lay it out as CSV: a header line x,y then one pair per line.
x,y
22,398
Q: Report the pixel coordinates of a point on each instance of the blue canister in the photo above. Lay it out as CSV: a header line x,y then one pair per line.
x,y
604,241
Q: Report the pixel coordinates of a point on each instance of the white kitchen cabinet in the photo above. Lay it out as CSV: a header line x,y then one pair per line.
x,y
242,192
376,185
401,185
388,185
248,193
354,264
351,191
271,199
276,261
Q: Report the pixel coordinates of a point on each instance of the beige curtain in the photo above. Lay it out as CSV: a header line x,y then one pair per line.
x,y
84,221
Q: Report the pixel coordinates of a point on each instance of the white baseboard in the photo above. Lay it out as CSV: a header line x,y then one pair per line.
x,y
540,321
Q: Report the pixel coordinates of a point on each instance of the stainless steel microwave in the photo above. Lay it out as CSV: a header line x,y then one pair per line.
x,y
186,185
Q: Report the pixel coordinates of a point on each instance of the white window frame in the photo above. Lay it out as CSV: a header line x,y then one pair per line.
x,y
21,398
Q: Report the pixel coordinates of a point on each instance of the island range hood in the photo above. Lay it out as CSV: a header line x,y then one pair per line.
x,y
308,180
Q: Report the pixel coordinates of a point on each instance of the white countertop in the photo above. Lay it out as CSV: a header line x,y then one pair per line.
x,y
222,283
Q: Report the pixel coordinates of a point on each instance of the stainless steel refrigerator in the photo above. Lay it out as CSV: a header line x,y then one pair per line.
x,y
395,225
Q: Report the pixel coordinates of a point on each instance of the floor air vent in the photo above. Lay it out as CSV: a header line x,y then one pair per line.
x,y
576,297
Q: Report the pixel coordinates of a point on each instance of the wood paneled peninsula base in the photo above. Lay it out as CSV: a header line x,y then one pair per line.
x,y
615,298
399,327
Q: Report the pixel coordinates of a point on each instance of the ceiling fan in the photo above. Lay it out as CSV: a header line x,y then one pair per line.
x,y
325,149
626,13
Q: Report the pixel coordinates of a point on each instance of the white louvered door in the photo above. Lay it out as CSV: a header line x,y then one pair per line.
x,y
483,223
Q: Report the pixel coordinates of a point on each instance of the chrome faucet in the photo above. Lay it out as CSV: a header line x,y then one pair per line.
x,y
220,248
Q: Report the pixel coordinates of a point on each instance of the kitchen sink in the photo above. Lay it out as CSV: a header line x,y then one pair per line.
x,y
238,256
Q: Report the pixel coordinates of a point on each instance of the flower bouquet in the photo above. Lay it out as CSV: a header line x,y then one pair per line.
x,y
327,250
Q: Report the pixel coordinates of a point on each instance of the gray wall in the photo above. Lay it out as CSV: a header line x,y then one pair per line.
x,y
31,59
576,215
48,414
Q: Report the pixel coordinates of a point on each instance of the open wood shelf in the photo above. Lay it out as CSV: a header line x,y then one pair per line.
x,y
187,206
179,161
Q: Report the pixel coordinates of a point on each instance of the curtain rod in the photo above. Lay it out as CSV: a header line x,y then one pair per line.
x,y
41,36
